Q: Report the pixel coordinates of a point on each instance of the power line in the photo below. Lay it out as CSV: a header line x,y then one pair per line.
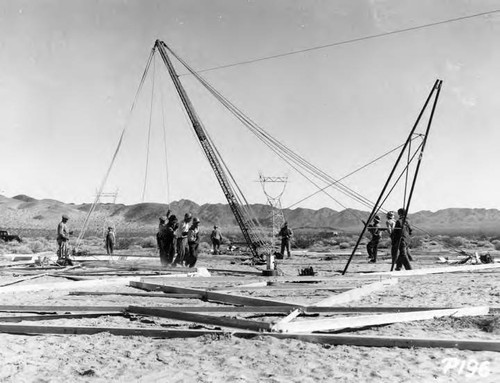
x,y
350,41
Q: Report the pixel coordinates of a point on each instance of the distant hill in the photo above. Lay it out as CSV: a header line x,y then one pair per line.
x,y
24,212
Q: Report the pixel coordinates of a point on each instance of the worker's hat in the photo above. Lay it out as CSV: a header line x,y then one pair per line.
x,y
376,218
64,216
402,211
196,220
162,218
390,214
110,228
188,216
215,226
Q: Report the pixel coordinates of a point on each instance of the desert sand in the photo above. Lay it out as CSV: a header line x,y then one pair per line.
x,y
104,357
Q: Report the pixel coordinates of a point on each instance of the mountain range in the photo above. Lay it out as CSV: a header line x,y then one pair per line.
x,y
23,212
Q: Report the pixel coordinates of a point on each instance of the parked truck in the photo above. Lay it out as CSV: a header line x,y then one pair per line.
x,y
6,237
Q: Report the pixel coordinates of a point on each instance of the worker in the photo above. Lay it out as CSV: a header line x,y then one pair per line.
x,y
286,236
372,246
161,240
216,238
402,233
170,239
110,240
390,224
193,238
182,233
62,241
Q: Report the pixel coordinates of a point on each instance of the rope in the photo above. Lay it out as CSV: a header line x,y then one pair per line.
x,y
165,146
122,135
349,41
277,147
149,130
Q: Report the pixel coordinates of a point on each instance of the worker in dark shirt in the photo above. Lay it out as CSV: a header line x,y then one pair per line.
x,y
216,238
110,241
286,236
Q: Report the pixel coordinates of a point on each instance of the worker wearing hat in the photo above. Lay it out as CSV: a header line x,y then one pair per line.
x,y
110,241
62,241
193,238
216,238
390,224
286,236
182,242
372,246
402,233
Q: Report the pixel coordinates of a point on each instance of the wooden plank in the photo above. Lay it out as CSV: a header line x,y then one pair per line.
x,y
35,308
23,279
436,270
290,317
355,294
283,287
211,296
198,318
59,316
232,271
336,324
69,285
86,284
163,295
333,339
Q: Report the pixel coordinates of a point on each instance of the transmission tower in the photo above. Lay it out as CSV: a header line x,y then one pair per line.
x,y
111,196
277,216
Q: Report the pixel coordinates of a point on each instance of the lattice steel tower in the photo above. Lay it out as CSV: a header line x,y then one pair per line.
x,y
277,216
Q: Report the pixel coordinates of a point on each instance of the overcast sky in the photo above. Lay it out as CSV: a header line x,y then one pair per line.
x,y
69,71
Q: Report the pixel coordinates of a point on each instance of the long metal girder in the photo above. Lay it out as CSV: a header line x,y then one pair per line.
x,y
209,151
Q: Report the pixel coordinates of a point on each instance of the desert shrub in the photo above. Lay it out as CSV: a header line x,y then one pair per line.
x,y
344,245
148,242
22,249
485,244
384,243
124,243
454,241
38,246
416,242
205,247
304,242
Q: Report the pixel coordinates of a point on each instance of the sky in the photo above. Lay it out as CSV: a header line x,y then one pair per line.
x,y
69,72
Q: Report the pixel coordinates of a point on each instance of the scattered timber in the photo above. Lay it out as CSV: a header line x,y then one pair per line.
x,y
436,270
59,316
163,295
211,295
205,319
333,339
337,324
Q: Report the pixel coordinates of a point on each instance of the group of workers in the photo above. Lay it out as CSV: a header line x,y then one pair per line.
x,y
178,242
399,232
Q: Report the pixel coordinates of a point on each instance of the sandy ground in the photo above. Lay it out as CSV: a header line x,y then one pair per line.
x,y
104,357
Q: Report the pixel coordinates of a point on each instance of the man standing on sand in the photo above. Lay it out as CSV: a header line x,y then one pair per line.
x,y
286,236
391,224
402,233
62,241
372,246
161,240
193,238
216,238
110,240
182,241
